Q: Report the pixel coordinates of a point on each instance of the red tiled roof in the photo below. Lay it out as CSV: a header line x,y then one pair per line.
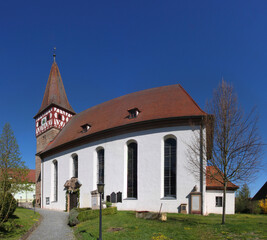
x,y
31,176
55,93
214,180
154,104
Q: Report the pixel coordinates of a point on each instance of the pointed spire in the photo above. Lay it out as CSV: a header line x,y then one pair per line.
x,y
55,92
54,54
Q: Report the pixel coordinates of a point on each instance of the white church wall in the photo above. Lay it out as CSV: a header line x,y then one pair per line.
x,y
150,171
211,202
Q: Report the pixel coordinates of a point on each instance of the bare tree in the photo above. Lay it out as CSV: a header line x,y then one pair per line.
x,y
233,144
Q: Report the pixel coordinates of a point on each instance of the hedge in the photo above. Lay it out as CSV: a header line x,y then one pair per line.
x,y
91,214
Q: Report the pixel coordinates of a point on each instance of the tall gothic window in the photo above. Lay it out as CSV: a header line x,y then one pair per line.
x,y
75,165
132,171
101,167
170,167
55,180
101,164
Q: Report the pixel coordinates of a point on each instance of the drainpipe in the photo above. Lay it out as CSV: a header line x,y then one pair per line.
x,y
42,185
201,166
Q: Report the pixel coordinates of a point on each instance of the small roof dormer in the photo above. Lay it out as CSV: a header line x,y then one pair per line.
x,y
133,113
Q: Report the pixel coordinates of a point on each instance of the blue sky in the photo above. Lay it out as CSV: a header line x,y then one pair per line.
x,y
106,49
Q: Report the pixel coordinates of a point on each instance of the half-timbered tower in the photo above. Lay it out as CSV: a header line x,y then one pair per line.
x,y
54,113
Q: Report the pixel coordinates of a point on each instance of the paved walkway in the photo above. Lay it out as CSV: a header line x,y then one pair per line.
x,y
53,227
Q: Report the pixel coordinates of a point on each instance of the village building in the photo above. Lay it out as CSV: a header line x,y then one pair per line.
x,y
25,197
135,144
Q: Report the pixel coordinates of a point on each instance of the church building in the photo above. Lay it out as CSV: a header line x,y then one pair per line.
x,y
135,144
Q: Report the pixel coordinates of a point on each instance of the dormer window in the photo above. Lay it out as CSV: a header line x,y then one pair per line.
x,y
85,127
133,113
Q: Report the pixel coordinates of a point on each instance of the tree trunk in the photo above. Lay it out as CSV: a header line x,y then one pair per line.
x,y
224,202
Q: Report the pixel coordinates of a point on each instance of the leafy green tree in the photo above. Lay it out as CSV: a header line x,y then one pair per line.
x,y
242,201
13,172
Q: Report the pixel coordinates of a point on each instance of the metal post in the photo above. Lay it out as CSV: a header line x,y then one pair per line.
x,y
100,217
34,203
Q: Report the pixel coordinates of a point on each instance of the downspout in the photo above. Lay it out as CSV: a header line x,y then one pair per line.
x,y
42,182
201,166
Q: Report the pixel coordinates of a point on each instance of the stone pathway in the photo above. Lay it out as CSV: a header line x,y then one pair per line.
x,y
53,226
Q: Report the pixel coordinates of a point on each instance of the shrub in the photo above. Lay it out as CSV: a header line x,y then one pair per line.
x,y
8,206
33,202
73,220
83,209
263,205
91,214
254,207
108,204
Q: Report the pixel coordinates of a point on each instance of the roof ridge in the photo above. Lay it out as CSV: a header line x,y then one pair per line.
x,y
191,98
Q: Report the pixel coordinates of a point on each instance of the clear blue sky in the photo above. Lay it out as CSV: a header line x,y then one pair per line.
x,y
106,49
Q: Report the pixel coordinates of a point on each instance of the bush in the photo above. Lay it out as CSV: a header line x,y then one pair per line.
x,y
8,205
83,209
108,204
33,202
73,220
91,214
254,207
263,205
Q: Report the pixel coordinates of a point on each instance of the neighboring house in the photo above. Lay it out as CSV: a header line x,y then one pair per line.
x,y
27,196
261,194
214,192
135,144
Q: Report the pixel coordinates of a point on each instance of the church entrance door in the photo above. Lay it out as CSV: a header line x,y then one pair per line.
x,y
73,200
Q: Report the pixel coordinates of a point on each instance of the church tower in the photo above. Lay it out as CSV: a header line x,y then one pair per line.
x,y
54,113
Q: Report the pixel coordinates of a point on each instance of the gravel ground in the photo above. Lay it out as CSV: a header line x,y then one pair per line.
x,y
53,227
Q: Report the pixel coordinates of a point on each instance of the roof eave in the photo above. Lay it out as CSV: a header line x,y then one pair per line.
x,y
148,124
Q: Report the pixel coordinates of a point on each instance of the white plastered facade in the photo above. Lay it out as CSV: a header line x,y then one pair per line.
x,y
211,202
150,171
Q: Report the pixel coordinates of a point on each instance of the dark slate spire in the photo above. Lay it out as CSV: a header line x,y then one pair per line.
x,y
55,92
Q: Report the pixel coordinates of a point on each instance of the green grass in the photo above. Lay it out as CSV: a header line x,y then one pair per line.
x,y
178,226
20,223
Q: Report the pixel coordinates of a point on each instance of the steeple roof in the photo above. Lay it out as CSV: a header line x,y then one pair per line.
x,y
55,92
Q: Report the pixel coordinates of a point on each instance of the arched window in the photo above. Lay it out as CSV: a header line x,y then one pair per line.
x,y
75,166
55,180
170,167
132,171
101,164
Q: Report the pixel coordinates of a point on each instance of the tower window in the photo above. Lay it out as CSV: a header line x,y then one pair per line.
x,y
133,113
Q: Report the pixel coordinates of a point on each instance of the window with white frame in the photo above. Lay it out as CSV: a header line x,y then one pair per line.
x,y
218,202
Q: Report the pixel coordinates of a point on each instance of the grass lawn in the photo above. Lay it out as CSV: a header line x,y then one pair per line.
x,y
124,225
21,221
